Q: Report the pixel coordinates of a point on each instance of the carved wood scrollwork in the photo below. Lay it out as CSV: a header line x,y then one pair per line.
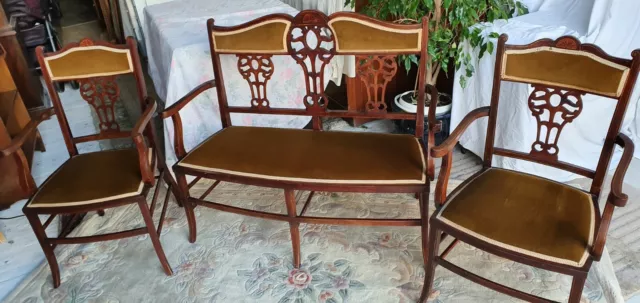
x,y
376,72
312,44
102,93
257,70
553,109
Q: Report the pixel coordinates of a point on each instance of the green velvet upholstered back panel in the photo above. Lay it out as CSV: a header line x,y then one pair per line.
x,y
573,69
268,37
89,61
361,36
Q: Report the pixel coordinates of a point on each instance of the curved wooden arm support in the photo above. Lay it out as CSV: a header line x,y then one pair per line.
x,y
616,196
447,146
137,133
31,127
176,107
173,111
445,151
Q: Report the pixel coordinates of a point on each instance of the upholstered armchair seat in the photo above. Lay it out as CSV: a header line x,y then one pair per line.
x,y
525,214
310,156
91,178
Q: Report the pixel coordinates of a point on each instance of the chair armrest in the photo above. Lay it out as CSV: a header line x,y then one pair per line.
x,y
32,126
137,133
173,111
616,196
176,107
448,145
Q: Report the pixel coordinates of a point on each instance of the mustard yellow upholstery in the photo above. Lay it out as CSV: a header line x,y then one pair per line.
x,y
89,61
267,37
526,214
353,35
311,156
565,68
91,178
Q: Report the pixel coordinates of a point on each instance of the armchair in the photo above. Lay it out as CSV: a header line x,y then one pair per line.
x,y
526,218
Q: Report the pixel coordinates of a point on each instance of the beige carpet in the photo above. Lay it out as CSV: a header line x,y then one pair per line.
x,y
243,259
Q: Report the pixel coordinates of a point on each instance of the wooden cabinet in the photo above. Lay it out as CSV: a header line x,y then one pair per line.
x,y
13,118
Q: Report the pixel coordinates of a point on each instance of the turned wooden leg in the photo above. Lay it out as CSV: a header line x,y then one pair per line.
x,y
188,206
46,247
430,267
153,234
576,288
290,199
423,201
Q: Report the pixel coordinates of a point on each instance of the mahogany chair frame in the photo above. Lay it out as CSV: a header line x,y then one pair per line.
x,y
439,230
143,136
306,21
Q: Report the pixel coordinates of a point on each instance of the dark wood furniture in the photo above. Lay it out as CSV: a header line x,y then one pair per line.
x,y
307,160
14,118
25,79
526,218
98,180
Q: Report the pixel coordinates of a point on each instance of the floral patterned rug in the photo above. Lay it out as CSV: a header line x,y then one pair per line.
x,y
244,259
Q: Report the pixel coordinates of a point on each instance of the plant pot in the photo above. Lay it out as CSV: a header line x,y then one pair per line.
x,y
405,102
409,126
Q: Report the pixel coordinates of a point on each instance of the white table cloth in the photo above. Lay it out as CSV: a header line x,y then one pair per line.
x,y
179,60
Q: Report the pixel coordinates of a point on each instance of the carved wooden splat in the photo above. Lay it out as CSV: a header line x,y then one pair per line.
x,y
257,70
312,45
553,109
102,93
376,72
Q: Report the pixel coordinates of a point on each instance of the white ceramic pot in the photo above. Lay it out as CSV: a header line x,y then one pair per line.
x,y
412,108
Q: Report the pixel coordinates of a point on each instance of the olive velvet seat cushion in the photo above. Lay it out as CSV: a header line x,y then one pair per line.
x,y
310,156
92,178
525,214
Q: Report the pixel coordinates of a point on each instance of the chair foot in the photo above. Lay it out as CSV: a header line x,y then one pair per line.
x,y
294,227
576,288
430,267
182,191
191,220
423,201
101,213
41,235
153,234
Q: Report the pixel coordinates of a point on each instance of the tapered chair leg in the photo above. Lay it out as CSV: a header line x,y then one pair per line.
x,y
576,288
423,201
290,199
153,234
430,267
188,206
41,235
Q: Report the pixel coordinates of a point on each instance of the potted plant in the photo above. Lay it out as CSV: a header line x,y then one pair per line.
x,y
450,22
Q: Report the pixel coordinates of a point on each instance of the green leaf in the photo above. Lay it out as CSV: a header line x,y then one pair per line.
x,y
494,35
490,47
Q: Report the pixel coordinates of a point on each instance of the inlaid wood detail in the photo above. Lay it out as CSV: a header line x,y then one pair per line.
x,y
376,72
553,109
257,70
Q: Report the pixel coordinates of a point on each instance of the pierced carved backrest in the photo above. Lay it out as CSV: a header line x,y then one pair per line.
x,y
376,45
312,39
95,66
254,44
561,72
